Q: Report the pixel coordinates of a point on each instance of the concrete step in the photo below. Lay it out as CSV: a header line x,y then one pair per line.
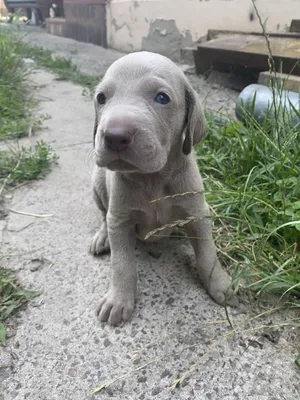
x,y
284,81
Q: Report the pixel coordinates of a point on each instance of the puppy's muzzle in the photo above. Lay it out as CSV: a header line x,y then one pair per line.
x,y
117,139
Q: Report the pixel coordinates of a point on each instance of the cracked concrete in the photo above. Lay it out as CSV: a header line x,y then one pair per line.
x,y
60,350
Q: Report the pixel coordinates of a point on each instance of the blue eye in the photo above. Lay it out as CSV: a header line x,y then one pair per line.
x,y
162,98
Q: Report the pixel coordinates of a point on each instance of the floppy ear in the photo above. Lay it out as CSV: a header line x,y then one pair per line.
x,y
195,121
95,125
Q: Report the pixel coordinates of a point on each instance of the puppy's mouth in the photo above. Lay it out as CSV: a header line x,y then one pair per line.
x,y
115,163
131,160
122,166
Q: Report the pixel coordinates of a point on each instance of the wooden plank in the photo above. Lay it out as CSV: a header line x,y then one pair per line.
x,y
280,46
295,25
215,33
248,51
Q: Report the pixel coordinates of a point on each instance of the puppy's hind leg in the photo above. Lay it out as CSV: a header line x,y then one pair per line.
x,y
100,243
214,277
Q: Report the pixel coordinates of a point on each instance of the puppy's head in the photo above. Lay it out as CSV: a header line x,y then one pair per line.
x,y
145,109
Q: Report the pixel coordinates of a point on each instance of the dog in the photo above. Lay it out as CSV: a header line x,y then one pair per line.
x,y
147,120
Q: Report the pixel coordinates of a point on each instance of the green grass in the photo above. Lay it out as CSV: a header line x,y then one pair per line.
x,y
251,175
63,68
17,164
17,109
12,299
26,164
16,101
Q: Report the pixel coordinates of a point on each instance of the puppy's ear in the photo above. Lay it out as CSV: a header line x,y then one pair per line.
x,y
95,125
195,121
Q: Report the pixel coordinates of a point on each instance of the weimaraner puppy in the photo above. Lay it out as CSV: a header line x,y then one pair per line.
x,y
148,118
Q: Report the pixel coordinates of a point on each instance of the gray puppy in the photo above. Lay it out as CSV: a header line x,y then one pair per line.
x,y
148,118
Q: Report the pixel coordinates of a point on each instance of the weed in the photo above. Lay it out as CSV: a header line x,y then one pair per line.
x,y
16,101
251,177
63,68
32,163
12,299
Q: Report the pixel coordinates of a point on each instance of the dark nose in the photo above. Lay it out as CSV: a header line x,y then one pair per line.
x,y
117,140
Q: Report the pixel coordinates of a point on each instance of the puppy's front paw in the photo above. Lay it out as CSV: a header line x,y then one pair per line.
x,y
115,308
100,243
219,287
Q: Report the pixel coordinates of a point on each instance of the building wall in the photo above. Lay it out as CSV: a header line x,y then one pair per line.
x,y
166,26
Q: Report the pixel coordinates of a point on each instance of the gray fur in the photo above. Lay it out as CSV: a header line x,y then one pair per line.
x,y
158,162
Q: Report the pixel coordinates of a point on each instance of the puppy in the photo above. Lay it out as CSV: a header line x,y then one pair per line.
x,y
147,120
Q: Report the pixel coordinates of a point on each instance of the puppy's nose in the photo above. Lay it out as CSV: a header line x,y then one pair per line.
x,y
117,140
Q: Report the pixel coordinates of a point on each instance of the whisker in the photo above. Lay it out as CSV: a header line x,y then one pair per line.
x,y
89,156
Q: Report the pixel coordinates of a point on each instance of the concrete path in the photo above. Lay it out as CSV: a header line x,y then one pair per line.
x,y
61,352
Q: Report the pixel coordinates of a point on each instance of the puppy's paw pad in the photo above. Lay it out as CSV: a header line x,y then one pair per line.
x,y
115,308
100,243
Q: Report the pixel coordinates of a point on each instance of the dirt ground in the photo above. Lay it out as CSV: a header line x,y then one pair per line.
x,y
60,350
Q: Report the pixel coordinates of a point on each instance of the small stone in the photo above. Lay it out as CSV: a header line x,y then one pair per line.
x,y
156,391
97,365
170,301
142,379
28,60
106,342
6,360
155,253
72,372
165,374
65,342
136,361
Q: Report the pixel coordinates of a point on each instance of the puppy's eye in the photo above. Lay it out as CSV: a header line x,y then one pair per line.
x,y
101,99
162,98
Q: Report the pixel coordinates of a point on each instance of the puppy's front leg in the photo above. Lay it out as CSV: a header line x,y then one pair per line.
x,y
216,281
118,303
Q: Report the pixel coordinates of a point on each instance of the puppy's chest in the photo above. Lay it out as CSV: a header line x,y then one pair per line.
x,y
155,214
